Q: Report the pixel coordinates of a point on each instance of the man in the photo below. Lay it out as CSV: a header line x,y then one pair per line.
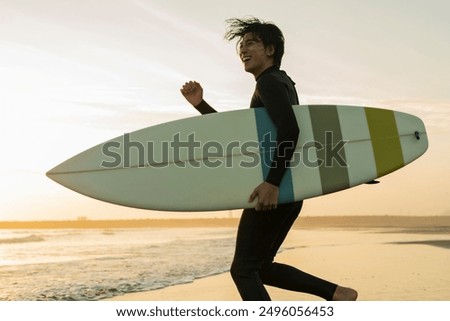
x,y
262,229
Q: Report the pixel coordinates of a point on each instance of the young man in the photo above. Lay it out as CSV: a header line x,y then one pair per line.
x,y
262,229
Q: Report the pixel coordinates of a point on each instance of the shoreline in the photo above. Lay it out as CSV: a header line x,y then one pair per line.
x,y
302,222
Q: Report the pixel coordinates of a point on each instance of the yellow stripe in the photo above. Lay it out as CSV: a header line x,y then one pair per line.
x,y
385,140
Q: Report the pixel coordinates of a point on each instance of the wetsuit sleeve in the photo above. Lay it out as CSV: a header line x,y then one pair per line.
x,y
204,108
275,97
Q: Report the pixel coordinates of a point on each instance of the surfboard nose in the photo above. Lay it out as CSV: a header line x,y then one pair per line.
x,y
50,173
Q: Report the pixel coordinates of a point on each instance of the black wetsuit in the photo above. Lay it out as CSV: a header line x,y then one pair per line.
x,y
261,233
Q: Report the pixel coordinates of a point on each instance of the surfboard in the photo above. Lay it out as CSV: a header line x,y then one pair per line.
x,y
214,161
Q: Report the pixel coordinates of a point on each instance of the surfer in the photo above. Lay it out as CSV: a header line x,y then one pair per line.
x,y
262,229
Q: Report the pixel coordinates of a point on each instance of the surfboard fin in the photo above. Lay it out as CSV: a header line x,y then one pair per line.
x,y
373,182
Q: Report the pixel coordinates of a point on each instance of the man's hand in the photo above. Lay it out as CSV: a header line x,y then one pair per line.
x,y
193,92
267,195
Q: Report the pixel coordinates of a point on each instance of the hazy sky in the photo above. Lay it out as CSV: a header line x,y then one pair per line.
x,y
74,73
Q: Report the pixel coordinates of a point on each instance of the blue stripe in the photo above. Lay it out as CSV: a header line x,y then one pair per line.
x,y
267,135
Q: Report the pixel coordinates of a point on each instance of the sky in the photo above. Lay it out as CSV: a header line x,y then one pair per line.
x,y
75,73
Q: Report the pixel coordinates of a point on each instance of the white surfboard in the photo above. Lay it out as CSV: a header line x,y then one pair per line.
x,y
214,161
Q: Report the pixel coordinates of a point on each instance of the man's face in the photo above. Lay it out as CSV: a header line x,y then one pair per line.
x,y
254,55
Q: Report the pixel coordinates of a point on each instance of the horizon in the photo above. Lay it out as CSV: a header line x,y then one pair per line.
x,y
417,223
77,75
83,219
218,217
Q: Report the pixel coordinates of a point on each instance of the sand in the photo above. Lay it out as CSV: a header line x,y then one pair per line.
x,y
383,264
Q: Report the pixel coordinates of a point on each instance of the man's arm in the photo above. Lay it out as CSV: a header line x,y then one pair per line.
x,y
275,97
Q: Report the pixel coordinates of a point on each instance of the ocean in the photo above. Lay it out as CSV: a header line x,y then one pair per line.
x,y
91,264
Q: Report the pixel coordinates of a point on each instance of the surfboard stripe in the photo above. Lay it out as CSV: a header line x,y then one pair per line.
x,y
385,141
305,169
358,149
326,126
267,135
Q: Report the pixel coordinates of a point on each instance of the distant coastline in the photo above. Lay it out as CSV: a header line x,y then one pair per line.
x,y
302,222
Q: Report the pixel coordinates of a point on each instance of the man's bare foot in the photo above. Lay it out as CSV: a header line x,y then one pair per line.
x,y
344,294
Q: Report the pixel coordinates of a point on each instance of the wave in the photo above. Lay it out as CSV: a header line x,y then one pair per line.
x,y
25,239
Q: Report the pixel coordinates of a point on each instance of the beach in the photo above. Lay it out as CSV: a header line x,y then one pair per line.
x,y
385,258
403,259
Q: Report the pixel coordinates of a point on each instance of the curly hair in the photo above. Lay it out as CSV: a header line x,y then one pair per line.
x,y
267,32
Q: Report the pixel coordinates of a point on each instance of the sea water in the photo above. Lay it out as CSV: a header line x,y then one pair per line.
x,y
90,264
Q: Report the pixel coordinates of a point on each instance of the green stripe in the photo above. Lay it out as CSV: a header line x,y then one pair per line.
x,y
386,145
333,176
